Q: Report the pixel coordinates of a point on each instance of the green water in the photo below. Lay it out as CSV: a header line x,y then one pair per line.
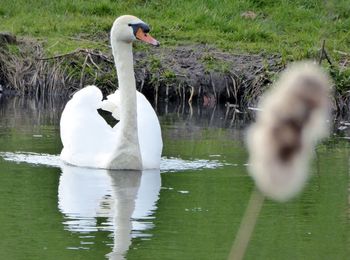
x,y
197,212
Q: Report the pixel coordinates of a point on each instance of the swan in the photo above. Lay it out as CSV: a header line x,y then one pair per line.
x,y
135,142
293,118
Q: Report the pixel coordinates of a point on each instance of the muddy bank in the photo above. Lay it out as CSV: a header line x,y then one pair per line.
x,y
205,75
188,74
185,73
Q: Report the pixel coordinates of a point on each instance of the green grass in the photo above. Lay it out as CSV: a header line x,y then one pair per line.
x,y
293,28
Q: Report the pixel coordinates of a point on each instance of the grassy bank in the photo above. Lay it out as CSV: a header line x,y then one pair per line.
x,y
293,28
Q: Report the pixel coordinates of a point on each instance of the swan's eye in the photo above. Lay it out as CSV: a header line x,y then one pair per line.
x,y
136,26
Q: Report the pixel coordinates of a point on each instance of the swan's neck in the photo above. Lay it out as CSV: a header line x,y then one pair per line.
x,y
123,59
127,155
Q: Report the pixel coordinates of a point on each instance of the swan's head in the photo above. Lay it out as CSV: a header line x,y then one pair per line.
x,y
128,28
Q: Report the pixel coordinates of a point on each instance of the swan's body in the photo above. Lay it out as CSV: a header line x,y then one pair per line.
x,y
135,142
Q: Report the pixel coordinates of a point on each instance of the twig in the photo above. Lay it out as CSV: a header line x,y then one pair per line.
x,y
234,85
92,61
82,72
100,55
321,52
191,96
327,57
324,54
254,109
213,85
184,96
227,88
60,55
342,52
191,109
142,84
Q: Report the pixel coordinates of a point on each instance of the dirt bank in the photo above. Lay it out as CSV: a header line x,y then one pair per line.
x,y
196,73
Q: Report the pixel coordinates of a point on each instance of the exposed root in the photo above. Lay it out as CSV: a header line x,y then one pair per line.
x,y
191,95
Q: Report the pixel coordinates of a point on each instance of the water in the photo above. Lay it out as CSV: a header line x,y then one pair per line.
x,y
190,209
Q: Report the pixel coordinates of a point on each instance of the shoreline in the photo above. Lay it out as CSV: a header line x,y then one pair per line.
x,y
197,74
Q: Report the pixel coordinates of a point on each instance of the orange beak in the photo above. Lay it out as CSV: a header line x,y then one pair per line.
x,y
145,37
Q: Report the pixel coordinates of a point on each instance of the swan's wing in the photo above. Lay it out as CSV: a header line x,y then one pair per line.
x,y
112,104
86,137
83,100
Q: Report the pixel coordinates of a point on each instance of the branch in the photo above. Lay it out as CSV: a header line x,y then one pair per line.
x,y
324,54
86,51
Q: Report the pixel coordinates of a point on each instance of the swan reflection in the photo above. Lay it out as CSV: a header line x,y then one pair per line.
x,y
126,199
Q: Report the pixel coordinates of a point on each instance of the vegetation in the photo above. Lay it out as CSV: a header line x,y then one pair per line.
x,y
213,64
293,28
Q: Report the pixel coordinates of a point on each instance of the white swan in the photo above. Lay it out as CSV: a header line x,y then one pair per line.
x,y
135,143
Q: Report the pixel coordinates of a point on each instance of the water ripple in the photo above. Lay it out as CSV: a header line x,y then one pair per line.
x,y
167,164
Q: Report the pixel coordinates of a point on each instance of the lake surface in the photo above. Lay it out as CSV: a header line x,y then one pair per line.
x,y
190,209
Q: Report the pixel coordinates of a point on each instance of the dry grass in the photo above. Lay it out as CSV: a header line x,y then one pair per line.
x,y
193,74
